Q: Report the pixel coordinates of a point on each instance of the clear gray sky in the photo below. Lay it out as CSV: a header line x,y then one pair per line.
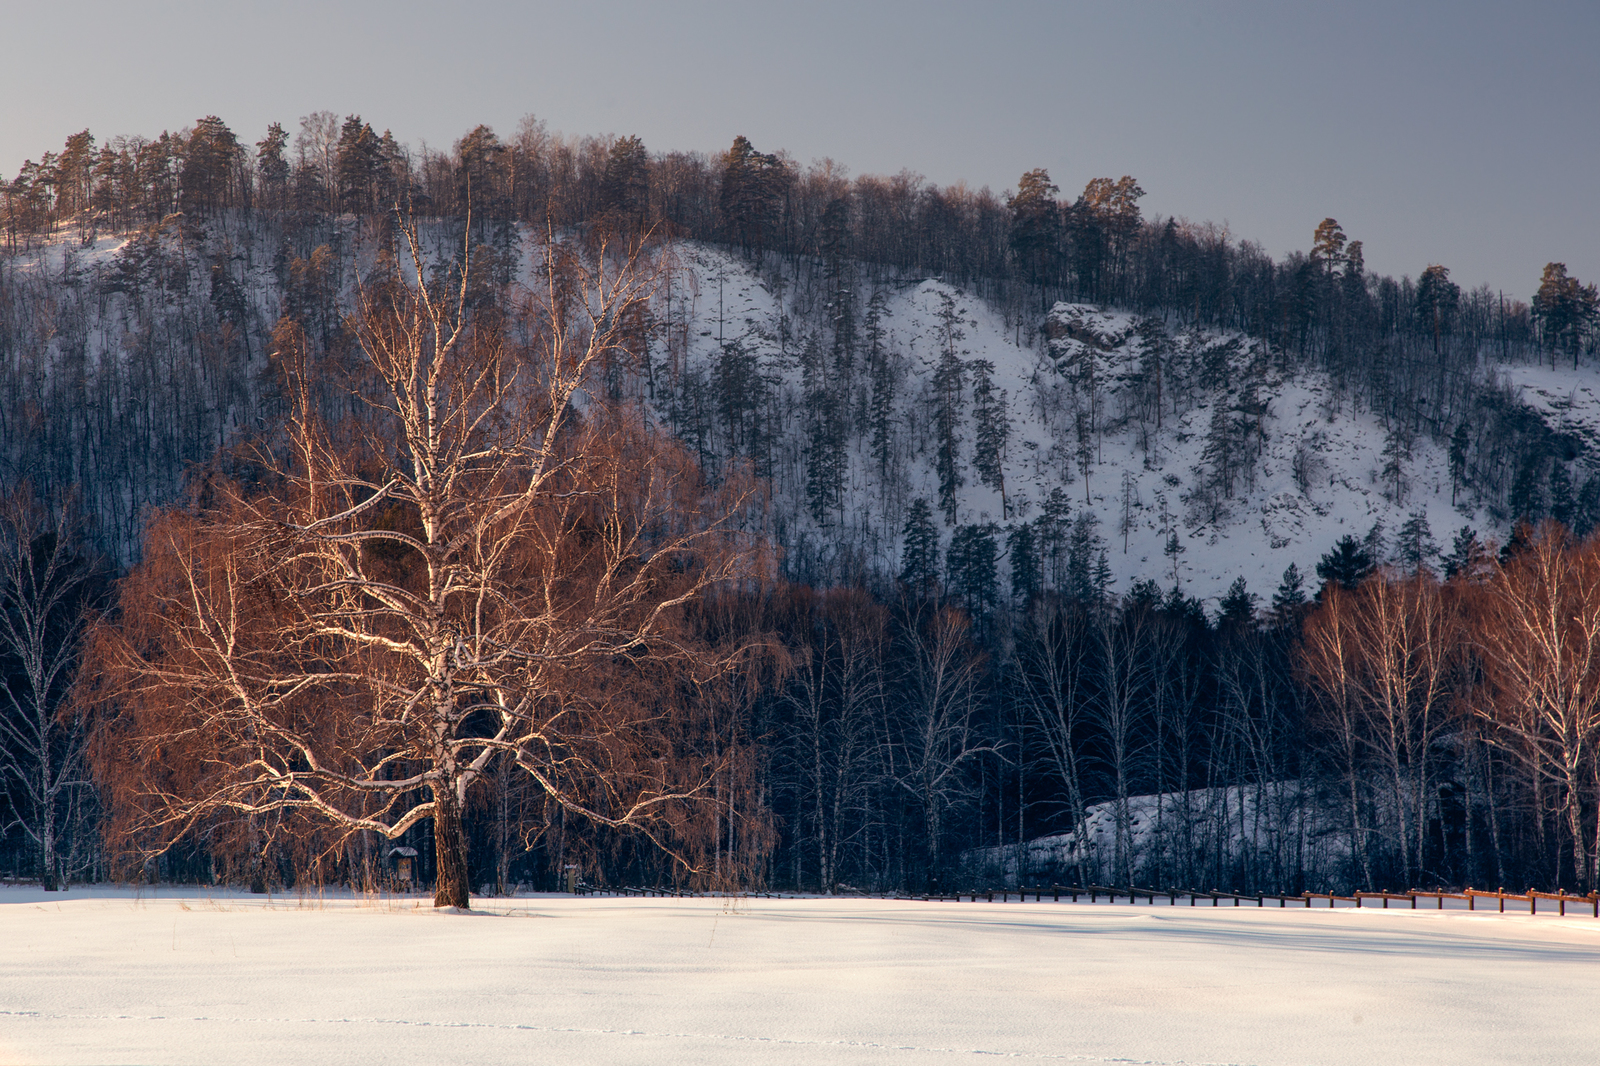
x,y
1462,133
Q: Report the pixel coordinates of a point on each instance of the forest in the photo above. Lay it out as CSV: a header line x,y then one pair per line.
x,y
775,609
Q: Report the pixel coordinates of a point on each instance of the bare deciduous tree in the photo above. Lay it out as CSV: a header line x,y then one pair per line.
x,y
46,580
1540,635
484,564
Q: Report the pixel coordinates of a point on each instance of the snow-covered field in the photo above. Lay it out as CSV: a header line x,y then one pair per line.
x,y
191,977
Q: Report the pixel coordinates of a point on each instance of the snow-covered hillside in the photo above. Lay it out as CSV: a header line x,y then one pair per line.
x,y
1307,466
1200,456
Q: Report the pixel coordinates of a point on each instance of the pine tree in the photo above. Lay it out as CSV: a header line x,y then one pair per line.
x,y
1347,564
1035,225
882,413
357,165
1436,302
1088,572
1376,543
1173,548
839,286
1289,599
1566,311
1052,533
948,381
1586,509
825,454
1561,502
1414,546
625,186
972,568
991,429
754,186
1527,498
1237,610
1396,450
1467,557
209,158
919,551
1023,551
1458,458
1327,245
1143,595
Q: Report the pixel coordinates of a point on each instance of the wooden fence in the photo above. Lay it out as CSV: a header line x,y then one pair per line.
x,y
1589,903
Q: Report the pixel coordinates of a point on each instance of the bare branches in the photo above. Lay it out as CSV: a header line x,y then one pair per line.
x,y
490,565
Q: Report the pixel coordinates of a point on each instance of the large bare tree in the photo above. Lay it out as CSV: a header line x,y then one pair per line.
x,y
470,561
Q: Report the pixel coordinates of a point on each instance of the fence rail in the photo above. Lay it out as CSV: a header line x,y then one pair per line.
x,y
1134,894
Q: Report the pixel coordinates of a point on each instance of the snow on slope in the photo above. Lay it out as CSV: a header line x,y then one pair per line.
x,y
1242,827
104,976
1270,522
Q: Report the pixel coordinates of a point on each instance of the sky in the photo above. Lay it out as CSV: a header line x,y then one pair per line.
x,y
1459,133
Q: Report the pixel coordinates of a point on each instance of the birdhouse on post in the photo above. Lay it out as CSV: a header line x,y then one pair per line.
x,y
404,859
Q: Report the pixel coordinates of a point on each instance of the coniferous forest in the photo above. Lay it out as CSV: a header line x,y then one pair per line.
x,y
358,497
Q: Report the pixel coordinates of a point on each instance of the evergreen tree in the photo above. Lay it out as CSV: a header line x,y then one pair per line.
x,y
1348,563
972,569
1237,610
948,381
1396,450
1143,595
919,551
1561,502
1586,509
1414,546
991,429
839,285
1173,548
1527,498
357,165
625,186
1088,573
1186,609
741,394
1289,599
1327,246
1052,531
209,159
1376,543
1566,311
1520,541
1467,557
1458,458
1035,225
754,186
882,413
1023,551
1436,302
825,453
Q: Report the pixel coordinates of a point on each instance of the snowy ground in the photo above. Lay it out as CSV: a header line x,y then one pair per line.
x,y
196,978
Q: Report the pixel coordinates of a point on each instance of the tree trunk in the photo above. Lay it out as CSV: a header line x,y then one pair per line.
x,y
450,849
